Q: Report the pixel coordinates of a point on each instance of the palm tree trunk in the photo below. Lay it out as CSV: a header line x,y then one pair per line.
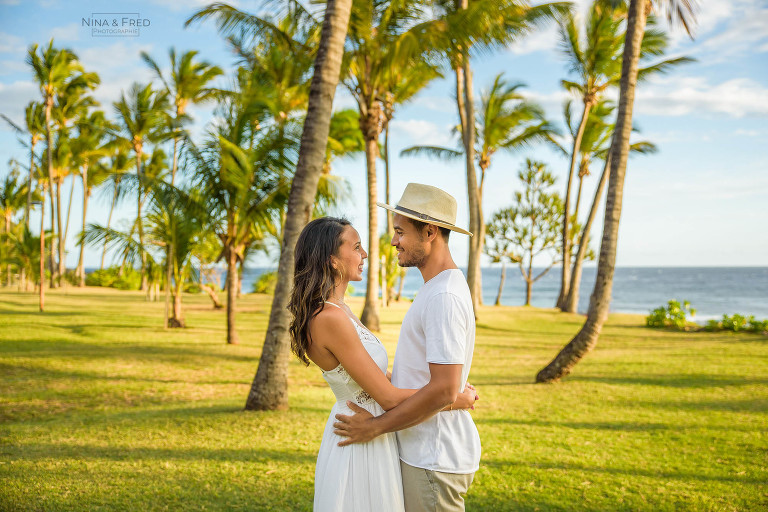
x,y
175,158
232,338
387,292
62,256
600,301
86,194
42,254
140,223
168,274
565,274
109,220
475,245
178,316
390,214
270,385
572,301
370,316
29,181
400,287
49,152
52,262
501,282
69,212
8,266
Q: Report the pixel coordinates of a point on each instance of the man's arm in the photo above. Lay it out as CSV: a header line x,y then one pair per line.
x,y
440,391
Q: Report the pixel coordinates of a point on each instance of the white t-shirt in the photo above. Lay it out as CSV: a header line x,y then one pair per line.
x,y
438,328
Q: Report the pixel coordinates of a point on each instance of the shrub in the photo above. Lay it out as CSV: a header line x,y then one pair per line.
x,y
109,277
738,323
265,283
672,315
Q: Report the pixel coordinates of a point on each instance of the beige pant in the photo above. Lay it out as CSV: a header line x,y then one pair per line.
x,y
432,491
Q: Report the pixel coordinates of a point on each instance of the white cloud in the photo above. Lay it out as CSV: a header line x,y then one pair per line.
x,y
9,67
118,66
69,32
679,96
14,97
420,132
10,43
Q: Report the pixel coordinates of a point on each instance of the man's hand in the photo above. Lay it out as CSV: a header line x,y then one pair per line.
x,y
357,428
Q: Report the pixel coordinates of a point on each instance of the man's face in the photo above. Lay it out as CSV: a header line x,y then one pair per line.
x,y
410,243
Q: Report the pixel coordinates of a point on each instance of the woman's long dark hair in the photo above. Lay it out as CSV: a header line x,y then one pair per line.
x,y
313,277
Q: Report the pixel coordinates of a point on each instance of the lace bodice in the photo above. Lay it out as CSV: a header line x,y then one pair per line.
x,y
342,384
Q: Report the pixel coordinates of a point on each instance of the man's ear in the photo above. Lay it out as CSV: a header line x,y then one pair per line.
x,y
432,232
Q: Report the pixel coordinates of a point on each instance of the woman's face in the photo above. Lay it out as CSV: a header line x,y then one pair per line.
x,y
349,260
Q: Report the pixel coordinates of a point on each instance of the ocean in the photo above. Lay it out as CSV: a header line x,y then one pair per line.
x,y
712,291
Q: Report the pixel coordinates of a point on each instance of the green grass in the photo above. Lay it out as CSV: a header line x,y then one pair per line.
x,y
101,409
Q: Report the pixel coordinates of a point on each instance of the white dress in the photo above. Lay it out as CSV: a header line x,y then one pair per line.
x,y
358,477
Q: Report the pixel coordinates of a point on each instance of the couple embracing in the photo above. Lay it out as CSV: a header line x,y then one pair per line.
x,y
404,441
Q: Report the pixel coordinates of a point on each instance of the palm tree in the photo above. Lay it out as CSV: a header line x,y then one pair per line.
x,y
13,197
269,389
506,122
119,164
56,71
243,181
383,42
595,145
477,26
141,119
594,57
586,339
89,147
34,122
187,83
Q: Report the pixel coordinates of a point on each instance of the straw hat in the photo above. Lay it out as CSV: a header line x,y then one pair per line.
x,y
427,204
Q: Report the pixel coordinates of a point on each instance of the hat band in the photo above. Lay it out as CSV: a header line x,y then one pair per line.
x,y
422,216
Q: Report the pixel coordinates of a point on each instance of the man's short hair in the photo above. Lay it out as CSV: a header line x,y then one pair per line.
x,y
444,232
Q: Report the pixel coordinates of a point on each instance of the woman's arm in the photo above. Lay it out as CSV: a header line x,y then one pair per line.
x,y
333,330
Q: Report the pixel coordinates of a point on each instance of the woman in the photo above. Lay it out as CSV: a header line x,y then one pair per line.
x,y
358,477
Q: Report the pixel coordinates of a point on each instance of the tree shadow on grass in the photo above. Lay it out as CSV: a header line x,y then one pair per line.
x,y
663,473
692,380
149,351
62,451
611,426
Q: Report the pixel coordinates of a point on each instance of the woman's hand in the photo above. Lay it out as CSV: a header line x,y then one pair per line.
x,y
467,398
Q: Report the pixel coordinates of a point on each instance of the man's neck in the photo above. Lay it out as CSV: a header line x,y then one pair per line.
x,y
436,263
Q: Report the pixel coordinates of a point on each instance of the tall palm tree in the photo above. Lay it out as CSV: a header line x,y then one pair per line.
x,y
383,41
269,389
243,181
13,197
586,339
187,84
595,145
506,122
89,147
141,118
34,128
470,27
593,56
118,165
56,70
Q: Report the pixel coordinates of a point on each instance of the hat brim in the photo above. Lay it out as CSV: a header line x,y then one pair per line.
x,y
435,222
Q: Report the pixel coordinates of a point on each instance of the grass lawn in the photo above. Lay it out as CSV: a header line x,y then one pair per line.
x,y
101,409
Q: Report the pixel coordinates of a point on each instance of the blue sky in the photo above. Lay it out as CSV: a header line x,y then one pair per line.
x,y
702,200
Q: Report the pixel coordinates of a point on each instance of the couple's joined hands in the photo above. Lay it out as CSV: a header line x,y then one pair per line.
x,y
358,429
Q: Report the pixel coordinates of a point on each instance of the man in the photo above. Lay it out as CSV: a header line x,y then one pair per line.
x,y
439,451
